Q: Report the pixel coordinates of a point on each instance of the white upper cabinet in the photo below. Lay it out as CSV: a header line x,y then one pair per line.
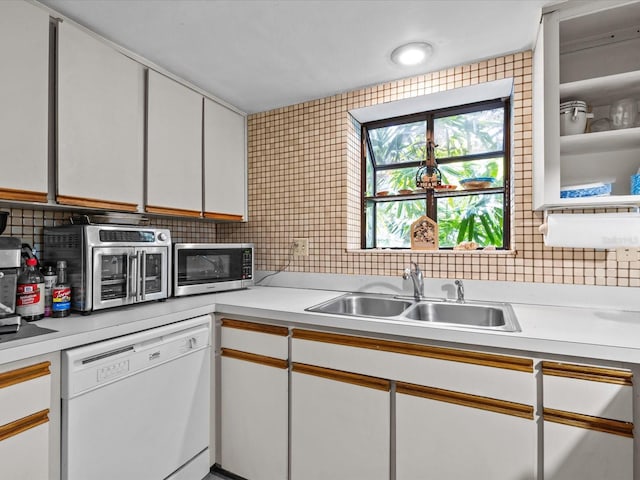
x,y
589,52
174,148
100,124
225,184
24,55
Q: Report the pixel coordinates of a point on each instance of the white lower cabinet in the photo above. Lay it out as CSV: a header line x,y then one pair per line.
x,y
588,422
340,425
448,441
29,419
254,396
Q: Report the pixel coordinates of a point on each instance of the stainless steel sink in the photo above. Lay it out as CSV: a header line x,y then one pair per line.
x,y
477,315
481,315
363,305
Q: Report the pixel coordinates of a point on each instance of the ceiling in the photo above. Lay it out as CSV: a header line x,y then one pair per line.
x,y
262,54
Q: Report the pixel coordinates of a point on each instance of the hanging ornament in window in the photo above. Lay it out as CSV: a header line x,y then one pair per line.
x,y
428,175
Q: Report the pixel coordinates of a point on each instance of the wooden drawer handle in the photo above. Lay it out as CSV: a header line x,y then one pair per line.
x,y
340,376
24,374
255,358
23,424
615,427
255,327
467,400
583,372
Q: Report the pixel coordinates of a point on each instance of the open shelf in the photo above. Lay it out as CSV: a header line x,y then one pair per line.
x,y
609,201
609,141
602,90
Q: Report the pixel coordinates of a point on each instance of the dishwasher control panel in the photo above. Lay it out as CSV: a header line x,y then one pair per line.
x,y
92,366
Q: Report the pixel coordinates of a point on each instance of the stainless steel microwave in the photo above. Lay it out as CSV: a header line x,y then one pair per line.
x,y
211,267
111,265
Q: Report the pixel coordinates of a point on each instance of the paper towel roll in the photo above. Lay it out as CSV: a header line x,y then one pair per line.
x,y
597,230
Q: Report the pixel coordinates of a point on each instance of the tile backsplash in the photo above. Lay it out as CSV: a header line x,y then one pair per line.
x,y
304,180
28,224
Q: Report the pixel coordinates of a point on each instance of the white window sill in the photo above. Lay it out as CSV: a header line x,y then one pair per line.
x,y
388,251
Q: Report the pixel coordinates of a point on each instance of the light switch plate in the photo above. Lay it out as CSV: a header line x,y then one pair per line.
x,y
627,254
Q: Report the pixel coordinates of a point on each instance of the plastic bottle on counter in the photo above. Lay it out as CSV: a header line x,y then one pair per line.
x,y
61,300
30,292
50,279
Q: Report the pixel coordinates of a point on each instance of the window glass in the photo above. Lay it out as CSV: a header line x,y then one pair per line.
x,y
393,222
472,157
471,218
469,133
398,143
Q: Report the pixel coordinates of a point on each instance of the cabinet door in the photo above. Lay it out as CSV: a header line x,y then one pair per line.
x,y
30,419
546,113
24,54
174,148
445,440
340,425
254,417
225,183
100,124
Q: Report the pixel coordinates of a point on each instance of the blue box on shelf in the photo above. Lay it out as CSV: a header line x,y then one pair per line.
x,y
635,184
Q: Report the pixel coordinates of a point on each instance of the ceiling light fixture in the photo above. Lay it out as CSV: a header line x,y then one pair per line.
x,y
413,53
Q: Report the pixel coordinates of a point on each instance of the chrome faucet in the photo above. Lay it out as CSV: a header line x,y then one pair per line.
x,y
460,291
414,272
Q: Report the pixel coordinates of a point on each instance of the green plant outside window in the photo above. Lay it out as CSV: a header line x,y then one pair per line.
x,y
472,142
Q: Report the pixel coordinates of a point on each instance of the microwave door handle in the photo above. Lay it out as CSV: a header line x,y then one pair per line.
x,y
142,262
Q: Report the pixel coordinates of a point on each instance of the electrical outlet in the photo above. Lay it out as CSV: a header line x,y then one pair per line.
x,y
627,254
301,247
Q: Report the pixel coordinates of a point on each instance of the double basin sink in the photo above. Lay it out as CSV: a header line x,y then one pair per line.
x,y
444,313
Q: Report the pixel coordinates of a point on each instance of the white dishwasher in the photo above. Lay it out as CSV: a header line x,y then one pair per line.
x,y
137,407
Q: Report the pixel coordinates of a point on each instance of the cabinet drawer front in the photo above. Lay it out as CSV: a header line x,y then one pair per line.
x,y
475,378
24,391
572,453
26,456
580,390
268,340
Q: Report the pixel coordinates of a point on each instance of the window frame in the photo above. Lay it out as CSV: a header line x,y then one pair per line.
x,y
430,196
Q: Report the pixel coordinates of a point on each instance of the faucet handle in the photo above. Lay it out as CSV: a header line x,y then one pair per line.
x,y
406,274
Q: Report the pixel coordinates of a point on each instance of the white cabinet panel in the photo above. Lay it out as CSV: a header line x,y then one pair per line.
x,y
276,346
100,123
174,147
572,453
24,55
225,183
445,441
338,430
25,456
254,420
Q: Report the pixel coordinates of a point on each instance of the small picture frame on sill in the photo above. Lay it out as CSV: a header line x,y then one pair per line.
x,y
424,234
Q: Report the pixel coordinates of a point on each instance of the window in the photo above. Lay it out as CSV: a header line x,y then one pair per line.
x,y
473,157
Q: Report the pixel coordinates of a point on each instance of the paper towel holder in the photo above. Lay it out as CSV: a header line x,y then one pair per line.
x,y
544,227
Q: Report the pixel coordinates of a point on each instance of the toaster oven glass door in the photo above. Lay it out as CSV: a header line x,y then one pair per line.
x,y
152,273
113,277
201,266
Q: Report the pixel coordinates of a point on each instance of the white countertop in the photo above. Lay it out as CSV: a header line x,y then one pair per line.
x,y
599,334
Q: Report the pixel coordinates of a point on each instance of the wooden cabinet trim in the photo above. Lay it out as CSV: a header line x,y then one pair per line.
x,y
467,400
22,425
440,353
24,374
96,203
256,327
340,376
22,195
223,216
255,358
172,211
614,427
583,372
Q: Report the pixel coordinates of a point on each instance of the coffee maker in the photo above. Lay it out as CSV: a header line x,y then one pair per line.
x,y
10,259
